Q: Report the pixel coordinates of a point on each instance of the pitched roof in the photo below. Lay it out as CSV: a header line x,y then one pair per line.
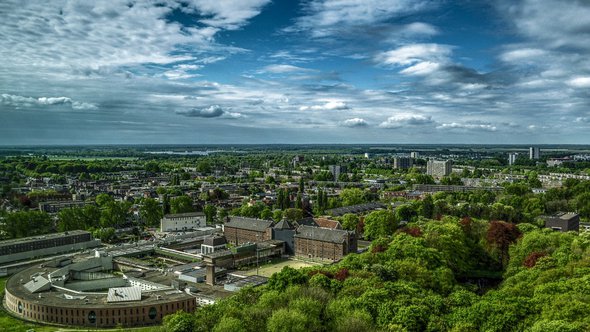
x,y
251,224
322,234
283,224
328,223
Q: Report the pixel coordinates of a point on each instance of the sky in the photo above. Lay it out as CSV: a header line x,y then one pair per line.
x,y
302,72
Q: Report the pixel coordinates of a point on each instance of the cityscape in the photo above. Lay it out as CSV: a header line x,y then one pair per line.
x,y
309,165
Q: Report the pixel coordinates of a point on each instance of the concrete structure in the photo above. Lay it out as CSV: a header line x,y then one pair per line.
x,y
403,162
512,158
336,170
45,245
414,154
324,243
247,281
182,222
563,221
534,152
50,293
241,230
213,243
439,168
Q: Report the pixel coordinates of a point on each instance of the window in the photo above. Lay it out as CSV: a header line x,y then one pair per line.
x,y
92,317
152,313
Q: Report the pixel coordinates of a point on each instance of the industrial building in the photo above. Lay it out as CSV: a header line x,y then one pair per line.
x,y
85,292
45,245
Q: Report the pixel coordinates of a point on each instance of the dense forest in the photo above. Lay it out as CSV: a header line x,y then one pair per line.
x,y
431,275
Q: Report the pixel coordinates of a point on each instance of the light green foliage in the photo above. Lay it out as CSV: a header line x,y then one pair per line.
x,y
179,322
352,196
350,221
379,224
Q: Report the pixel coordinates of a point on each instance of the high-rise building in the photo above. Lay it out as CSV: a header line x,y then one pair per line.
x,y
414,154
439,168
534,152
402,162
336,170
512,158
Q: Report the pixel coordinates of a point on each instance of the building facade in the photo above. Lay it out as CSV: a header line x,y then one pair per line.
x,y
439,168
403,162
182,222
241,230
324,243
534,152
563,222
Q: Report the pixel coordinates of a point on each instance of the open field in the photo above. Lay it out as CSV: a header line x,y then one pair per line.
x,y
267,270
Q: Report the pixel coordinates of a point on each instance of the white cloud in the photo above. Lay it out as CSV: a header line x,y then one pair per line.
x,y
282,69
422,68
227,14
419,28
212,111
414,53
580,82
405,120
524,54
467,126
332,105
354,122
327,17
21,101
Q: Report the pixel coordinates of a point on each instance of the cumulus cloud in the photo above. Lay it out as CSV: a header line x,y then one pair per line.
x,y
354,123
405,120
332,105
22,101
213,111
467,126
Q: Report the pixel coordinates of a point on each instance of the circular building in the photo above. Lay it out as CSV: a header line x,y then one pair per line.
x,y
86,293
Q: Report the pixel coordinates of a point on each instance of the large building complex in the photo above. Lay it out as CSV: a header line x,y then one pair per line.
x,y
403,162
241,230
85,293
45,245
439,168
182,222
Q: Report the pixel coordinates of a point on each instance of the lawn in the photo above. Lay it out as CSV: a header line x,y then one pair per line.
x,y
267,270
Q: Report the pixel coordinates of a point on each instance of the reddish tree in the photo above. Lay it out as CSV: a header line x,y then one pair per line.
x,y
378,248
501,235
531,260
341,275
413,231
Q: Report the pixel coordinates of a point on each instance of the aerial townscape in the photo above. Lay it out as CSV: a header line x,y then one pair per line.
x,y
295,165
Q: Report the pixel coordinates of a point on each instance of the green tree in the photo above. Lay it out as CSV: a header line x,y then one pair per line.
x,y
210,213
179,322
379,224
181,204
350,221
352,196
293,214
151,212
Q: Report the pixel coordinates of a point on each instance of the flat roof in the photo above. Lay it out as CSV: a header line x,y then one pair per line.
x,y
41,237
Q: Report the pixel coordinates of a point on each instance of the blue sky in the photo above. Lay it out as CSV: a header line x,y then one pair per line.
x,y
314,71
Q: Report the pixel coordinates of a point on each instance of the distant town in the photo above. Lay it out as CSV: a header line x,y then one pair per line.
x,y
127,236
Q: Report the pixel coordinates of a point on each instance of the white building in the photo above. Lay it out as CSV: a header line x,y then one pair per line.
x,y
439,168
512,158
414,154
534,152
182,222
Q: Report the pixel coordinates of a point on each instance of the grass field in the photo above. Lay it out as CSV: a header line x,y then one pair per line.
x,y
267,270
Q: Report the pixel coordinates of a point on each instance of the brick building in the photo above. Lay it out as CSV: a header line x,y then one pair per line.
x,y
325,243
241,230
